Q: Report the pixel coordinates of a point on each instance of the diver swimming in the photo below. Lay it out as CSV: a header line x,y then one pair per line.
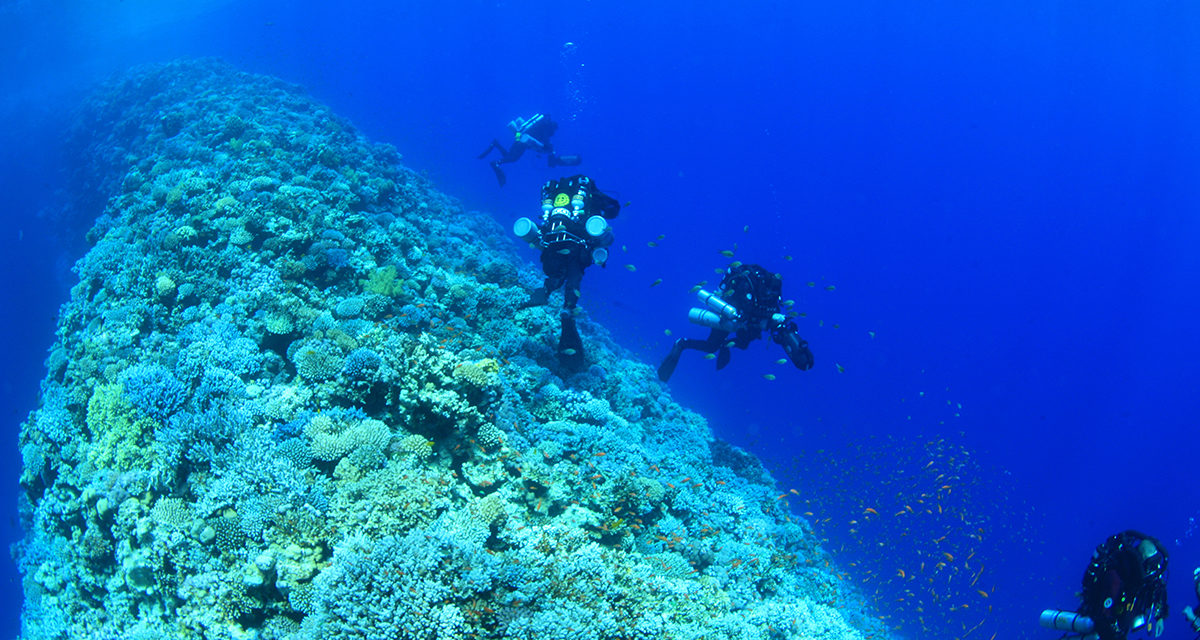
x,y
745,305
573,233
534,133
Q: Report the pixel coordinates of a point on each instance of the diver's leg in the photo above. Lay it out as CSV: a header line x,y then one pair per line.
x,y
514,153
552,266
494,145
570,345
712,343
574,279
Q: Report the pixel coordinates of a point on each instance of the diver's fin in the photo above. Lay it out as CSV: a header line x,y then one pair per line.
x,y
499,173
537,298
570,345
668,364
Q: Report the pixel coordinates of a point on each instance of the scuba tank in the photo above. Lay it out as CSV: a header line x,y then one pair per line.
x,y
1070,622
1066,621
718,315
525,229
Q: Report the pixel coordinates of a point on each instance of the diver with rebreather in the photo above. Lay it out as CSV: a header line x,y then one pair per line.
x,y
1124,590
745,305
572,233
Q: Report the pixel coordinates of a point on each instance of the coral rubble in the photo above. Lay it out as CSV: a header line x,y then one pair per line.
x,y
293,396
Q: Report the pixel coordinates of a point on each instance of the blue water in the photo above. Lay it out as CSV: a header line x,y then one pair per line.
x,y
1002,197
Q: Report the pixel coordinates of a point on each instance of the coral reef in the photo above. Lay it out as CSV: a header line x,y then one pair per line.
x,y
293,396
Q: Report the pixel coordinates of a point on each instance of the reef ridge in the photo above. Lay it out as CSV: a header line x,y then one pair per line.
x,y
293,396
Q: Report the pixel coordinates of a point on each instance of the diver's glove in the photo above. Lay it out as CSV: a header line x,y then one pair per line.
x,y
788,337
1192,618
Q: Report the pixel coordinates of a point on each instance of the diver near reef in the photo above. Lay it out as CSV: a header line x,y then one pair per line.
x,y
534,133
572,234
1124,590
1189,612
746,304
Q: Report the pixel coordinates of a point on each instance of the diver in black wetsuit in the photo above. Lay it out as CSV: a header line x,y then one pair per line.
x,y
534,133
746,305
573,233
1125,586
1189,612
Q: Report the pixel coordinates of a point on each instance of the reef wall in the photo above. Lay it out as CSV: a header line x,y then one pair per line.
x,y
293,396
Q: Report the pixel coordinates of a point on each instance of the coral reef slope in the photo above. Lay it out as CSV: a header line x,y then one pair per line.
x,y
293,396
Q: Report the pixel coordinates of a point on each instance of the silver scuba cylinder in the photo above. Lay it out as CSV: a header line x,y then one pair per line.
x,y
525,229
717,304
1066,621
597,227
711,319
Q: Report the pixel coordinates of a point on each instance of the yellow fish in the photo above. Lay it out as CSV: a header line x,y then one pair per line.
x,y
667,332
781,361
769,376
840,368
709,356
811,283
656,282
652,244
631,267
831,288
696,288
788,258
727,253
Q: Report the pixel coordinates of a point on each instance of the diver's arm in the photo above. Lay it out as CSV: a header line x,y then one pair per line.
x,y
787,336
533,142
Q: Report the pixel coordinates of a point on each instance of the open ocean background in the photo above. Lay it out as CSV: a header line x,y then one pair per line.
x,y
997,204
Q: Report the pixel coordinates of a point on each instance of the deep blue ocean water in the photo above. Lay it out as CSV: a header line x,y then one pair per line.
x,y
1002,196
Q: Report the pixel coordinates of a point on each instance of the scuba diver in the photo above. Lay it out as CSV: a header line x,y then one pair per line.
x,y
746,304
534,133
1190,613
1124,590
573,234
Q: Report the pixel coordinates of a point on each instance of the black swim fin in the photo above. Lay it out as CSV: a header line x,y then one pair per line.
x,y
538,297
570,345
499,173
667,368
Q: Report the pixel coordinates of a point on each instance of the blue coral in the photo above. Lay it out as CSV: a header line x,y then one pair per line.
x,y
361,364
